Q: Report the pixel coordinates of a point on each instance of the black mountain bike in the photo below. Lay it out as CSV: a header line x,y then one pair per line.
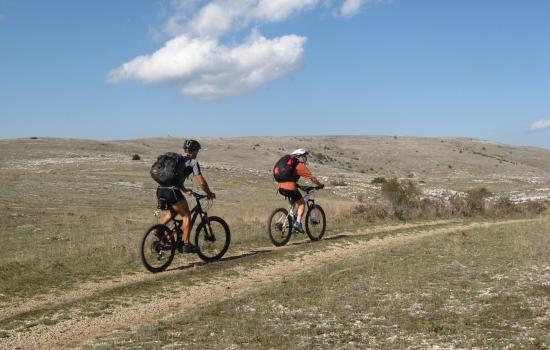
x,y
281,221
160,242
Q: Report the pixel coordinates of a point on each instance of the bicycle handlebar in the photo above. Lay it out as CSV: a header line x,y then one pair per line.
x,y
198,195
308,189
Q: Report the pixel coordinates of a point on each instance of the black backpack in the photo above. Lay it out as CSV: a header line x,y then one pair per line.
x,y
165,170
285,169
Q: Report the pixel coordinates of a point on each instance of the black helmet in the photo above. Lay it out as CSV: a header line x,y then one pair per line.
x,y
192,145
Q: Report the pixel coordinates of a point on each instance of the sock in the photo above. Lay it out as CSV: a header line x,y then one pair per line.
x,y
298,219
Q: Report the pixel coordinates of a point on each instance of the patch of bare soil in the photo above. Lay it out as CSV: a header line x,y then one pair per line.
x,y
80,329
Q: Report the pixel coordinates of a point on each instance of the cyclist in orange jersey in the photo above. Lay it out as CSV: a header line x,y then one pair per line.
x,y
289,189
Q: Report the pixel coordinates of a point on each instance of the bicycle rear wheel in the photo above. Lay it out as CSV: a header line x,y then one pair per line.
x,y
279,227
316,223
157,248
212,239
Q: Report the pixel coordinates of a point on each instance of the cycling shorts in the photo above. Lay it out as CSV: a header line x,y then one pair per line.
x,y
294,196
167,196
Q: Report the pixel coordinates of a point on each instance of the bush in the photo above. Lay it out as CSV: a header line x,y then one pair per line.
x,y
503,206
475,199
400,193
458,206
378,180
136,157
338,183
372,212
534,207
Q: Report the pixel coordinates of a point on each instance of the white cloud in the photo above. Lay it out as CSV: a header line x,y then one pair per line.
x,y
353,7
279,10
540,125
202,67
195,60
221,17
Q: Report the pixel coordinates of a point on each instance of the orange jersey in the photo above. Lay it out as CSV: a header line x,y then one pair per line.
x,y
303,171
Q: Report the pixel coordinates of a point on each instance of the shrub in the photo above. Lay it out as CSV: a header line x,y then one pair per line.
x,y
503,206
338,183
534,207
371,212
458,206
136,157
475,199
400,193
378,180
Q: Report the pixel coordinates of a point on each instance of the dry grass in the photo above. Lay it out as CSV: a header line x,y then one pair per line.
x,y
486,289
74,210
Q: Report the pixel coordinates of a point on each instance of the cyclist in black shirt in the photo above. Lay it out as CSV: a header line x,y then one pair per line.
x,y
173,198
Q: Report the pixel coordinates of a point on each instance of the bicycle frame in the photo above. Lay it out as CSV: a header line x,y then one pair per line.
x,y
195,212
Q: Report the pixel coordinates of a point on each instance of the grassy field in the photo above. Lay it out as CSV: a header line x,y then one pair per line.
x,y
486,289
63,201
72,212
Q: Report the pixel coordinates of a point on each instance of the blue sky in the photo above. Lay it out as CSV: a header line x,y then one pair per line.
x,y
134,68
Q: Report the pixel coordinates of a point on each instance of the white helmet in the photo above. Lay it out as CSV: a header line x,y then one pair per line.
x,y
300,152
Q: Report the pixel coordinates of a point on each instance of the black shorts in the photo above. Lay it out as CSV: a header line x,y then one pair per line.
x,y
294,196
167,196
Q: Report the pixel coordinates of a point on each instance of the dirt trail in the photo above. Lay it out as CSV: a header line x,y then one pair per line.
x,y
87,289
80,329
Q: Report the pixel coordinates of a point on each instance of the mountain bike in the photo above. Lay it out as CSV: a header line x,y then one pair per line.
x,y
160,242
281,221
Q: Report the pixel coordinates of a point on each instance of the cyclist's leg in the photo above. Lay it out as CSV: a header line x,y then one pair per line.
x,y
182,208
300,206
165,197
296,200
167,216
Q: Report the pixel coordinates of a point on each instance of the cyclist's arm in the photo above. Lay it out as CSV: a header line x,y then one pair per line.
x,y
203,184
186,190
304,172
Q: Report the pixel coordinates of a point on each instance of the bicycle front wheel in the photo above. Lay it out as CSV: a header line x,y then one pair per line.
x,y
316,223
279,227
157,248
212,238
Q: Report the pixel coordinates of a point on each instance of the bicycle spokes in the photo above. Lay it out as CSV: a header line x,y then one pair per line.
x,y
278,227
157,248
212,239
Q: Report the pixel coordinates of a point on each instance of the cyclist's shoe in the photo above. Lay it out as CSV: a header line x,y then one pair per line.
x,y
298,227
190,248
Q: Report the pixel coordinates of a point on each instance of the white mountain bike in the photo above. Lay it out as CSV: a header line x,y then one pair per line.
x,y
281,221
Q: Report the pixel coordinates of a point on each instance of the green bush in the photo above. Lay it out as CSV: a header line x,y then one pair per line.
x,y
400,193
136,157
475,199
378,180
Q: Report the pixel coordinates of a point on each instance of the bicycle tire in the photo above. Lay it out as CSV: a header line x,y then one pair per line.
x,y
152,248
209,251
316,223
280,230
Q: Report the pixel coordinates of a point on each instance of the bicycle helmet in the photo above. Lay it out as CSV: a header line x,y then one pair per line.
x,y
192,145
300,152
